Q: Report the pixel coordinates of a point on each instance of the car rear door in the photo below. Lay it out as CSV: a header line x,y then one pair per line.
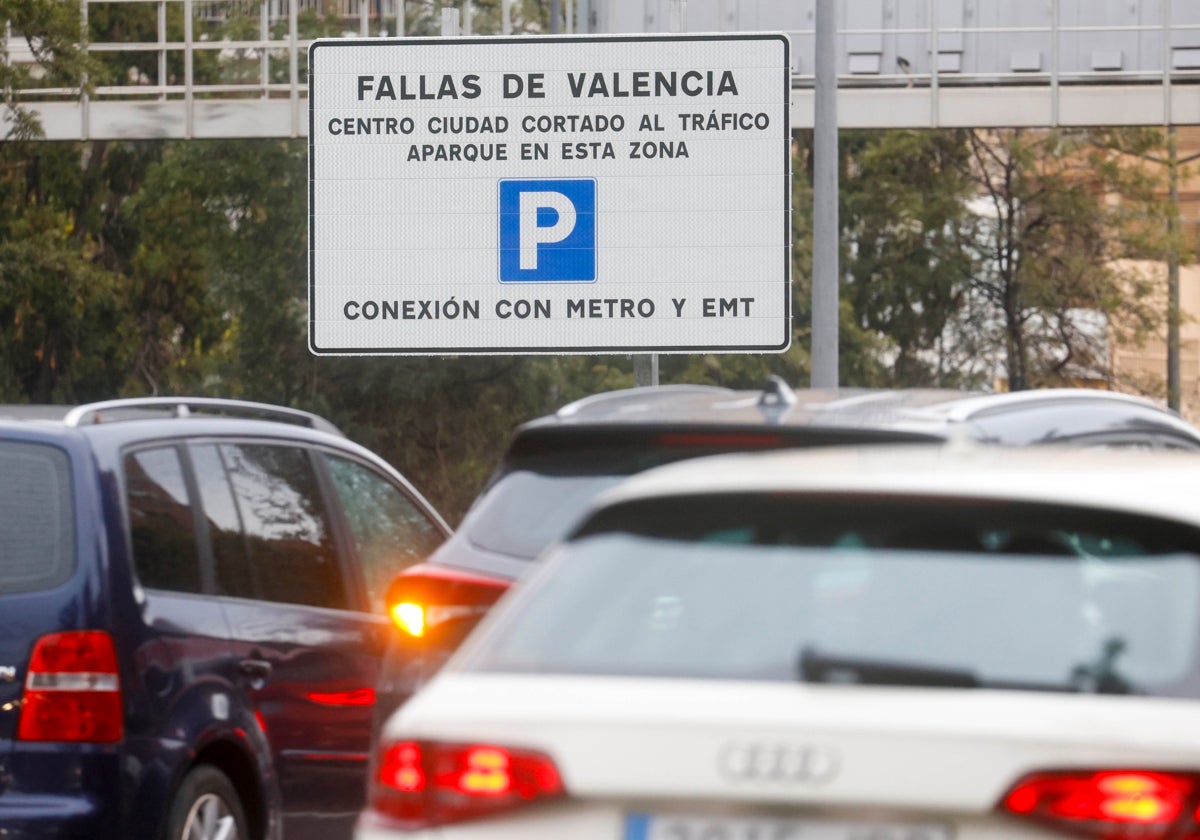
x,y
38,555
308,650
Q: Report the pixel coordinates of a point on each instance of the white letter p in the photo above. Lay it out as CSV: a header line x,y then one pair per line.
x,y
531,234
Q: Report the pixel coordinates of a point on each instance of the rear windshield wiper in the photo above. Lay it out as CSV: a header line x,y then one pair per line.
x,y
814,666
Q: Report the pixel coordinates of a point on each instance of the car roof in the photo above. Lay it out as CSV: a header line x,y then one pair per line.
x,y
920,411
1153,483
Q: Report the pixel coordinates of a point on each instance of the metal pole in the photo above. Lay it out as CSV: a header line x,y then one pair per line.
x,y
189,99
824,353
677,16
264,33
294,64
1054,61
85,120
449,22
935,53
555,17
162,53
1173,379
645,368
506,17
400,24
468,13
583,16
1168,102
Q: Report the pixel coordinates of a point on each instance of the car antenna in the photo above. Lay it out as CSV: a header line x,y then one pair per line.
x,y
777,394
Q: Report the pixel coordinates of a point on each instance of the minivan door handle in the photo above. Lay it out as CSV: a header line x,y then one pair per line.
x,y
256,669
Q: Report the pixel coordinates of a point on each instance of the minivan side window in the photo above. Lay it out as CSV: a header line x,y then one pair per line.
x,y
389,530
289,545
161,524
231,566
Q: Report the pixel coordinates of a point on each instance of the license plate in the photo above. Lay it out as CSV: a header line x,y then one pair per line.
x,y
671,827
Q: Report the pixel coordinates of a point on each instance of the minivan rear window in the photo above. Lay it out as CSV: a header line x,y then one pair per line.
x,y
37,523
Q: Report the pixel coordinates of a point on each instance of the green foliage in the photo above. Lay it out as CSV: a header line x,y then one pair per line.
x,y
57,313
52,29
860,349
181,267
903,198
1059,213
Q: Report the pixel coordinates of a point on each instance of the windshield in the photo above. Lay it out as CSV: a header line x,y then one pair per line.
x,y
525,511
543,489
992,595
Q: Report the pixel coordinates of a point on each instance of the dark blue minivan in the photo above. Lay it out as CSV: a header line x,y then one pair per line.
x,y
192,618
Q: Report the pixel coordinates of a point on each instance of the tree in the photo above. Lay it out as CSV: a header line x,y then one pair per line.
x,y
63,308
904,196
53,32
1059,213
861,349
58,312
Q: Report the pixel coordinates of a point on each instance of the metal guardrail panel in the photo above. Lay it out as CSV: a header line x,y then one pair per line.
x,y
237,68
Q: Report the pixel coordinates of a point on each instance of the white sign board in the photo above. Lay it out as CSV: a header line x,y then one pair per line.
x,y
571,194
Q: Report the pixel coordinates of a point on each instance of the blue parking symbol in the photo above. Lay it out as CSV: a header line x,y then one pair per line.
x,y
548,231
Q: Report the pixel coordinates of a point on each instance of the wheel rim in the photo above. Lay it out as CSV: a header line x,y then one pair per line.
x,y
210,819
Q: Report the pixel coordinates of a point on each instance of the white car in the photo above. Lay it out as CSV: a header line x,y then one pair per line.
x,y
875,644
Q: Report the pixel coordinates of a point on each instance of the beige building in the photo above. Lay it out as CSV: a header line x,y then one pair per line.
x,y
1145,368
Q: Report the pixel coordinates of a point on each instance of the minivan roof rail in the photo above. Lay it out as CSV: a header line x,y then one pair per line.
x,y
186,406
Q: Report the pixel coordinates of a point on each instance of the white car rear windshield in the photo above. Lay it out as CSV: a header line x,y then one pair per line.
x,y
865,591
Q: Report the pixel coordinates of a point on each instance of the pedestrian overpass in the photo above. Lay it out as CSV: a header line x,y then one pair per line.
x,y
237,68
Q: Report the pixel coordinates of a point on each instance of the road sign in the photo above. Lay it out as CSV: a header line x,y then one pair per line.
x,y
575,194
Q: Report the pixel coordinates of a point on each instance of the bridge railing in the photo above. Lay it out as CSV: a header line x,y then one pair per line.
x,y
237,68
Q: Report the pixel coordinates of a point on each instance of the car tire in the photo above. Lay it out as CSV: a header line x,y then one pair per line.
x,y
206,807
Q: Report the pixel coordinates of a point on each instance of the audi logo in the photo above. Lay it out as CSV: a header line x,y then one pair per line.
x,y
777,762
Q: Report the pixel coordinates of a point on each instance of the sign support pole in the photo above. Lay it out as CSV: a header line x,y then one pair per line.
x,y
824,354
645,368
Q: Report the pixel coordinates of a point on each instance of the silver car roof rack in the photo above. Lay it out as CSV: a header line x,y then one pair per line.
x,y
92,413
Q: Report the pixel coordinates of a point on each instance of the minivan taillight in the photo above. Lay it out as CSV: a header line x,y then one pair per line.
x,y
1110,804
425,596
72,690
419,784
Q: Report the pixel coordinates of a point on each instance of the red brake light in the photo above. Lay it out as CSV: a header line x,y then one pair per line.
x,y
352,697
72,690
1111,804
422,784
426,596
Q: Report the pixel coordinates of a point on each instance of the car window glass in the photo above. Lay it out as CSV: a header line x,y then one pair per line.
x,y
293,558
37,530
231,566
1003,595
547,482
161,524
526,511
390,532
